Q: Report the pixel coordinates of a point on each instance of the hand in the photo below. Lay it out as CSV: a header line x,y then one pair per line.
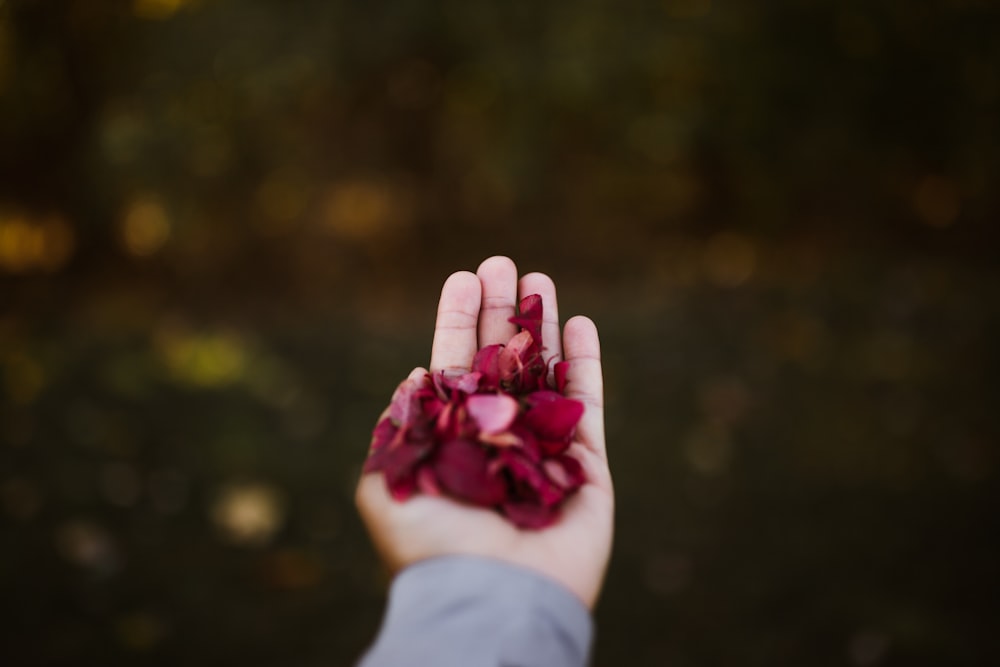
x,y
473,312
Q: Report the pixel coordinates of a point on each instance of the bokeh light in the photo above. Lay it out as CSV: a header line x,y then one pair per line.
x,y
248,513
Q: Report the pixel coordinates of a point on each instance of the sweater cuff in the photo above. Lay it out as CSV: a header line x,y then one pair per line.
x,y
471,611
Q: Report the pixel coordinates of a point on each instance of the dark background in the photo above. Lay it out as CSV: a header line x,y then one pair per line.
x,y
223,227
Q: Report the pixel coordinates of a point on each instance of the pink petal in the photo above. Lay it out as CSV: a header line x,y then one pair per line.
x,y
492,412
427,482
462,469
565,471
467,382
383,434
553,417
405,405
510,360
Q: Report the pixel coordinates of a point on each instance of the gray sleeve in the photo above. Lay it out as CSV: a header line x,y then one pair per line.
x,y
463,611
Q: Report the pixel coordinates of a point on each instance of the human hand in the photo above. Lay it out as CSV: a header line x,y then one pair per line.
x,y
473,312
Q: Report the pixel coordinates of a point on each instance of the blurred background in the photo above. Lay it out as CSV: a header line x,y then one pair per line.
x,y
224,225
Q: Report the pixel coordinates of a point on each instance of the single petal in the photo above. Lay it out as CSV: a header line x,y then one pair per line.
x,y
565,471
510,360
553,417
529,316
485,362
440,385
431,405
400,467
427,482
529,515
383,434
405,406
553,447
446,425
492,412
462,469
530,483
561,369
376,460
466,382
402,485
529,441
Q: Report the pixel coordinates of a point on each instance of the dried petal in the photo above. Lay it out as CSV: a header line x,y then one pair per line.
x,y
492,412
552,447
466,382
553,417
405,404
485,362
530,482
565,471
510,361
383,434
561,371
400,467
427,482
495,436
529,515
529,316
462,469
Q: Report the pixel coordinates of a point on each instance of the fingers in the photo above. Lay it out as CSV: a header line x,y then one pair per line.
x,y
498,276
585,381
541,284
455,339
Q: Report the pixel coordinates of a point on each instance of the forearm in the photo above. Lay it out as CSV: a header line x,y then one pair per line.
x,y
479,612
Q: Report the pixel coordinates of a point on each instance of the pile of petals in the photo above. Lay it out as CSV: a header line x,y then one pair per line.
x,y
494,437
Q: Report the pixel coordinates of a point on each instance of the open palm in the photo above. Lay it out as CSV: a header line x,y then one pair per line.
x,y
473,312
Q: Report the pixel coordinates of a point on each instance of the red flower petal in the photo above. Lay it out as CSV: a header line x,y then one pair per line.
x,y
553,447
426,481
529,316
553,417
530,515
462,469
565,471
400,467
485,362
510,361
446,386
405,403
492,412
530,482
467,382
561,370
456,436
383,434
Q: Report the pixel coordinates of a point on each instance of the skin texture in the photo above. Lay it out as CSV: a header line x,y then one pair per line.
x,y
473,313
